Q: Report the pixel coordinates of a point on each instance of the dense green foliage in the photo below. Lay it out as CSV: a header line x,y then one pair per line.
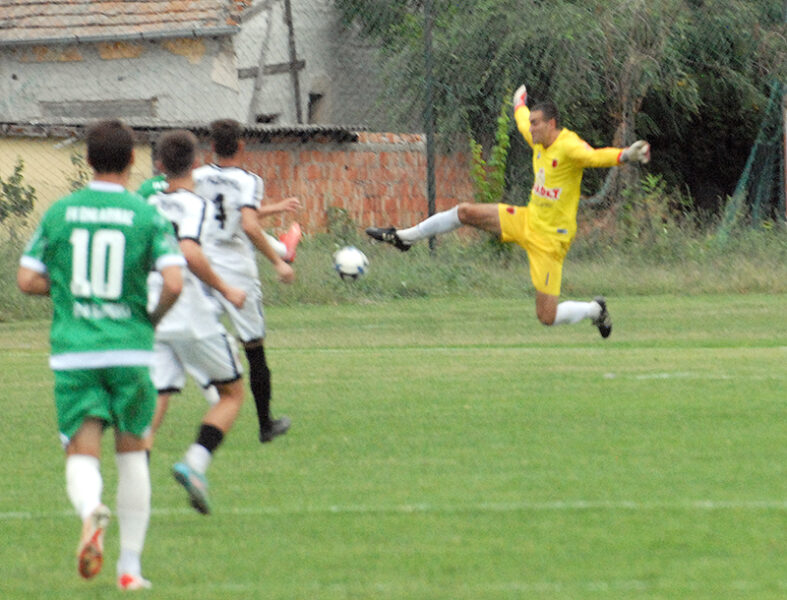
x,y
645,246
489,175
16,199
689,75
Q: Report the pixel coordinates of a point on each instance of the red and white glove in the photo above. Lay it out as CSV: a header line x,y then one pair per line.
x,y
520,97
638,152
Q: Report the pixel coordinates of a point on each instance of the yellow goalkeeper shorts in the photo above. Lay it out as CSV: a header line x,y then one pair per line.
x,y
545,254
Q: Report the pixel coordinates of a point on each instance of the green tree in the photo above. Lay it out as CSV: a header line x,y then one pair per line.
x,y
489,175
618,69
16,198
82,173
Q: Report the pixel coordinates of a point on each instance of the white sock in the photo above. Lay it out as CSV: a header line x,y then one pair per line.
x,y
198,458
442,222
277,246
83,483
211,394
573,312
133,509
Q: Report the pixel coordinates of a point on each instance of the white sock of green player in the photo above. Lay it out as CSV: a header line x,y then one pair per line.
x,y
570,312
278,247
442,222
83,483
133,509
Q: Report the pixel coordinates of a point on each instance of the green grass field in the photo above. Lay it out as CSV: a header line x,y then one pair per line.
x,y
450,449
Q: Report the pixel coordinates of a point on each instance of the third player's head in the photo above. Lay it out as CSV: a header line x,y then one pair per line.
x,y
177,152
110,147
226,137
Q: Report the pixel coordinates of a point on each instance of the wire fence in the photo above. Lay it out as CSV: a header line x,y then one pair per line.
x,y
693,77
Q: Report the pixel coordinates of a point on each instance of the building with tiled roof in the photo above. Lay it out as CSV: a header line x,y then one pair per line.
x,y
264,61
37,22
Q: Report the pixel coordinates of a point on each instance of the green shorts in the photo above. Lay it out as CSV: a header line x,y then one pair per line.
x,y
122,397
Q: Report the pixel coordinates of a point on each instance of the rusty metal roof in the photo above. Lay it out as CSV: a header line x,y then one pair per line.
x,y
70,21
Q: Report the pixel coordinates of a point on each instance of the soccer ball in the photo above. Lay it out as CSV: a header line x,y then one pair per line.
x,y
350,263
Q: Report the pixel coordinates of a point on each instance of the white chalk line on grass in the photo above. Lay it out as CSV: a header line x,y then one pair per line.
x,y
426,508
588,586
483,587
692,375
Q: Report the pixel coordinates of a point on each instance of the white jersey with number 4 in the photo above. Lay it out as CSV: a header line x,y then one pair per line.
x,y
229,189
194,314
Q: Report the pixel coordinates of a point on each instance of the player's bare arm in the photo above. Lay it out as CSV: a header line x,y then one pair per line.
x,y
199,265
172,277
251,227
288,205
32,282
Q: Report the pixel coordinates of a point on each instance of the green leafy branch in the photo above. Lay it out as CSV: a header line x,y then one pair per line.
x,y
489,176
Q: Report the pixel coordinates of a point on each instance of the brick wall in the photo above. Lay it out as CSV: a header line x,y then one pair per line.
x,y
380,179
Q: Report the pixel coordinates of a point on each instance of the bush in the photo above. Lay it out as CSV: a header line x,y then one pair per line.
x,y
649,248
16,200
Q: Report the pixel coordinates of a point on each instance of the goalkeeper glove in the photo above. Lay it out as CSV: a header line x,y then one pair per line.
x,y
520,97
638,152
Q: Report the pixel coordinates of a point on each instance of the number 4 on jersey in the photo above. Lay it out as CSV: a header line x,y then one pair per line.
x,y
221,214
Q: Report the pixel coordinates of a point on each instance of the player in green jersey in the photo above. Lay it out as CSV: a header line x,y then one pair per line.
x,y
152,185
92,253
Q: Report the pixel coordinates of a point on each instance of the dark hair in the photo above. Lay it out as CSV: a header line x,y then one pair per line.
x,y
549,111
225,135
110,144
177,150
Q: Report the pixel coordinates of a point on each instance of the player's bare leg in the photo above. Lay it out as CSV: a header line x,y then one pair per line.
x,y
162,404
546,307
190,472
480,216
223,414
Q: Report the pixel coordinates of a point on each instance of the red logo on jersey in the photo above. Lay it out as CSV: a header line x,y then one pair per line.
x,y
510,210
554,163
545,192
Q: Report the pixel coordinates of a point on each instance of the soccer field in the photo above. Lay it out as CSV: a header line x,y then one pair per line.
x,y
449,449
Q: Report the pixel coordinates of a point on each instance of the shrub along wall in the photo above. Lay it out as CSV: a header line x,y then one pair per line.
x,y
374,178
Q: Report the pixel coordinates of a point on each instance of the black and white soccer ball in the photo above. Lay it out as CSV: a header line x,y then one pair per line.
x,y
350,263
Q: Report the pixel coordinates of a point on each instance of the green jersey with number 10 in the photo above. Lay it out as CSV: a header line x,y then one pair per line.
x,y
97,247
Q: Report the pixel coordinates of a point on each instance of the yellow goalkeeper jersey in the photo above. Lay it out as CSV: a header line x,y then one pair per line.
x,y
554,199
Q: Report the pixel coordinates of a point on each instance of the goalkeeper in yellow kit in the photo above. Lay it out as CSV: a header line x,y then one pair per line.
x,y
545,227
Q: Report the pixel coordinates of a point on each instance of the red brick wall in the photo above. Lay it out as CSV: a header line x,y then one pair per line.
x,y
379,179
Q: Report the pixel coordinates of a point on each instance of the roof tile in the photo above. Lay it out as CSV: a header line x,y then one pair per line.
x,y
31,21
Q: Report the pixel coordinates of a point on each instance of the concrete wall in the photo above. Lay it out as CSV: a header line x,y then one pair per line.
x,y
196,80
48,166
178,80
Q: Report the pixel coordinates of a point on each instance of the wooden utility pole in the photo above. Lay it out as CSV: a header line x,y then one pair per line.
x,y
296,83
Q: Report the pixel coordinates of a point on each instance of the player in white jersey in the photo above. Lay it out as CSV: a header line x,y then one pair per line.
x,y
91,253
287,243
237,195
191,337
